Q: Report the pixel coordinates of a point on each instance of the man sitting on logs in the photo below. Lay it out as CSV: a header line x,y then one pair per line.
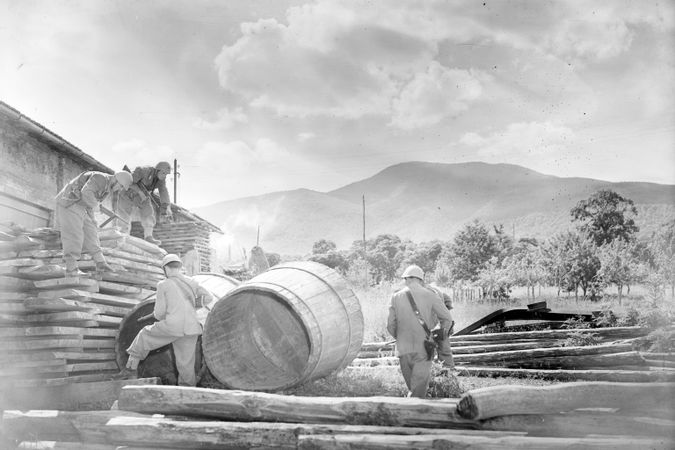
x,y
411,310
178,298
76,205
139,197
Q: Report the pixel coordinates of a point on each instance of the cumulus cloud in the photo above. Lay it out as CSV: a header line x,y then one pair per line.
x,y
224,120
137,152
433,95
533,144
305,136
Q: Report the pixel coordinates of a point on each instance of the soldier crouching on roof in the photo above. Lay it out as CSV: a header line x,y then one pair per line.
x,y
139,197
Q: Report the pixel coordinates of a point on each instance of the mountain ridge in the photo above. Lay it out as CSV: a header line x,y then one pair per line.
x,y
424,201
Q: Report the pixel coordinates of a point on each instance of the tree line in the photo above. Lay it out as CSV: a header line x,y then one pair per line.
x,y
600,250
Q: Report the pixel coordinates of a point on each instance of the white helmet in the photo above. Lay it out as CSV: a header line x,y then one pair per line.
x,y
124,178
413,271
170,258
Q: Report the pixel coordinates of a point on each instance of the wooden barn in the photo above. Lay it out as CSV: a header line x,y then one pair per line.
x,y
35,164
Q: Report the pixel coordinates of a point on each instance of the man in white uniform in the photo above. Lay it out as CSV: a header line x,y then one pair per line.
x,y
175,308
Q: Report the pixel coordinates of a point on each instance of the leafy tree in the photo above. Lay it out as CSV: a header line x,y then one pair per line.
x,y
384,256
663,250
326,253
606,216
424,255
618,264
472,248
585,266
494,280
525,265
556,260
323,246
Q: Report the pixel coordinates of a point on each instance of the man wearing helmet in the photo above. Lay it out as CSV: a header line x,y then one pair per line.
x,y
176,312
74,216
139,197
405,324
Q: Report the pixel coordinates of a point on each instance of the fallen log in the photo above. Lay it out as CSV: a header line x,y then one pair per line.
x,y
526,355
344,442
497,401
583,423
581,361
623,376
125,428
244,405
660,356
489,348
610,332
660,363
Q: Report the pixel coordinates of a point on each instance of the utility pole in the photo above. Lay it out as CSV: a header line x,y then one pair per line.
x,y
175,181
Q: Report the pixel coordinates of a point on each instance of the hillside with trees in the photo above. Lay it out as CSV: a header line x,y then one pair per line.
x,y
423,202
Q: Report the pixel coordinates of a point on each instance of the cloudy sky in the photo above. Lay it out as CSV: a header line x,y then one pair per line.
x,y
257,96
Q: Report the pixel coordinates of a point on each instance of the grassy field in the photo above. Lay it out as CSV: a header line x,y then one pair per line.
x,y
355,382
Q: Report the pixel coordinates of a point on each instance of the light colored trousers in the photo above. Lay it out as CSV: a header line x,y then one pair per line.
x,y
125,209
151,337
79,234
416,370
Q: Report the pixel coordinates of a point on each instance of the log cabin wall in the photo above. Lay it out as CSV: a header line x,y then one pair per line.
x,y
34,166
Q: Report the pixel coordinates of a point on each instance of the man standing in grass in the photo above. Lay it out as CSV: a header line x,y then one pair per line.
x,y
405,324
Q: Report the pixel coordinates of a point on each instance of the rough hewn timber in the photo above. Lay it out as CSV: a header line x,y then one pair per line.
x,y
244,405
497,401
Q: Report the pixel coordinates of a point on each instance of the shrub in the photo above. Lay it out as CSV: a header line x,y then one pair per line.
x,y
581,339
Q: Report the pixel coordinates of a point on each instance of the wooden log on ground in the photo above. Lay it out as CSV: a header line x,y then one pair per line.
x,y
660,363
581,361
623,376
497,401
375,346
659,356
583,423
489,348
244,405
526,355
127,428
344,442
613,332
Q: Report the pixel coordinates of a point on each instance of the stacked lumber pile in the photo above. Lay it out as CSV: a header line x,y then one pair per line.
x,y
56,330
621,416
541,354
175,236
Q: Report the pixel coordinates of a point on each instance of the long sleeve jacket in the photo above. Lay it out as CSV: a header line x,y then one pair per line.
x,y
175,305
402,322
147,176
88,189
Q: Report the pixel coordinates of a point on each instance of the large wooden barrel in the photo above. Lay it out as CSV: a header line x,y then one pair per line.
x,y
161,362
293,323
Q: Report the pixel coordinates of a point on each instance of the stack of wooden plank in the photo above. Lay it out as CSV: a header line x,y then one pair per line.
x,y
542,354
574,415
56,330
175,236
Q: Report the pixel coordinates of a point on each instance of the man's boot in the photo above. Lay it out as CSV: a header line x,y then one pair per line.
x,y
152,240
71,268
103,266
